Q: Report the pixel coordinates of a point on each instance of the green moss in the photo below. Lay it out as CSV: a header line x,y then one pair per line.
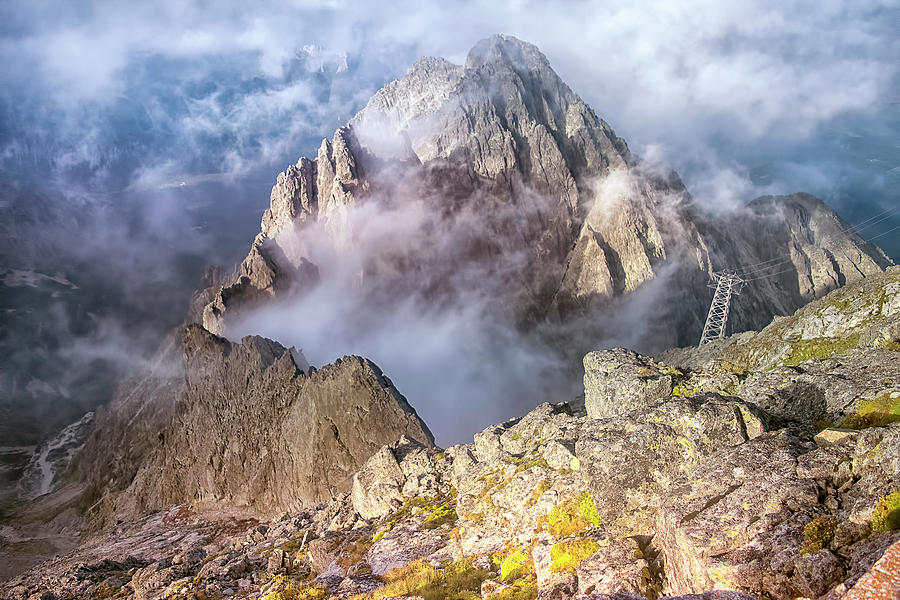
x,y
671,371
512,566
588,509
892,345
841,305
443,514
683,390
567,556
439,456
516,437
438,510
457,580
733,368
523,463
819,348
573,516
876,412
882,410
817,534
530,464
517,570
381,532
887,513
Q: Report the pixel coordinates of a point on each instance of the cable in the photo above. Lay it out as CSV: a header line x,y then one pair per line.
x,y
769,275
775,265
885,214
882,234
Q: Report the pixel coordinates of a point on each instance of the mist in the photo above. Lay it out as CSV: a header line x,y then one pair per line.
x,y
138,144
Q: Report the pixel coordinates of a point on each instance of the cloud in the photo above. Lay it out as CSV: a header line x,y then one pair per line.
x,y
416,290
106,107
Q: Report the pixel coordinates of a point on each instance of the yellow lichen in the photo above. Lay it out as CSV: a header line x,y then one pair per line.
x,y
887,513
573,516
567,556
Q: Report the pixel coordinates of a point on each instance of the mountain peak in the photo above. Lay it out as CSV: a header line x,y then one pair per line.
x,y
506,49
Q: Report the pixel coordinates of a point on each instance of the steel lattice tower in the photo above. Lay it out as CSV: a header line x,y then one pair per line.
x,y
726,284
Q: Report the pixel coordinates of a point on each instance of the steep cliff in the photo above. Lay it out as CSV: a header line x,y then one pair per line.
x,y
504,140
240,425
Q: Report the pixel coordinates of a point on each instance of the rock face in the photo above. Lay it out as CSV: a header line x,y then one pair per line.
x,y
258,428
678,491
246,425
504,139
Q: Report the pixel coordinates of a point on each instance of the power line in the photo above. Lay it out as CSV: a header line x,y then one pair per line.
x,y
769,275
874,220
883,233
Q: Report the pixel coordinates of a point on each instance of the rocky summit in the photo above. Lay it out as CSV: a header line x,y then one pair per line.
x,y
566,219
765,465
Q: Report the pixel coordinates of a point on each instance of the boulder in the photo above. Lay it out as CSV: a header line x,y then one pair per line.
x,y
617,382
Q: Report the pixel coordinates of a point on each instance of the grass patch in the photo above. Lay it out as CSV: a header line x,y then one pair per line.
x,y
521,589
457,580
292,591
887,513
516,570
523,463
876,412
513,564
817,534
567,556
573,516
443,514
438,511
355,551
818,348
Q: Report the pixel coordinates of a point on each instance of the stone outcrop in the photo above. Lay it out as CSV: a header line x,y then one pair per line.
x,y
616,382
247,425
258,428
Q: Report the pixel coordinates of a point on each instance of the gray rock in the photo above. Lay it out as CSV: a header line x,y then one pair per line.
x,y
254,407
617,382
403,544
377,486
723,525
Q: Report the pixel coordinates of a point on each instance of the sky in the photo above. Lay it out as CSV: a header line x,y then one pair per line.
x,y
139,141
740,97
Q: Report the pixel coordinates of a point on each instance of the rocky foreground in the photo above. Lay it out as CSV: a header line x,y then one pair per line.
x,y
767,464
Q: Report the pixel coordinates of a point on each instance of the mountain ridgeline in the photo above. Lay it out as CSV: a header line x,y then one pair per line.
x,y
569,221
491,191
493,177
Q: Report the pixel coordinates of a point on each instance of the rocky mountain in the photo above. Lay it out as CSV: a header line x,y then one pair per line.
x,y
566,219
766,464
494,180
